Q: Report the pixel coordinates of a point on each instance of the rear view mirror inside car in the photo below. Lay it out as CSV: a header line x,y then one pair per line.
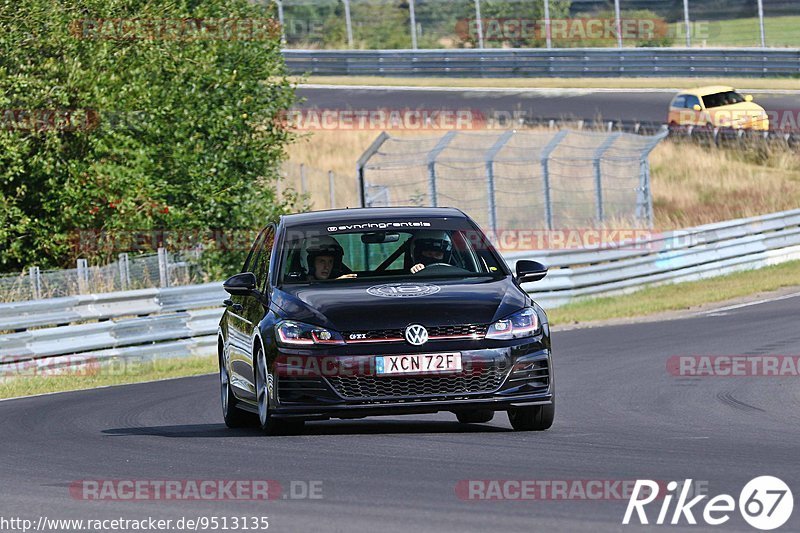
x,y
380,237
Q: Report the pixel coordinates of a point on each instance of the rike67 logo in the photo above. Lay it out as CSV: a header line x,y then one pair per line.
x,y
765,503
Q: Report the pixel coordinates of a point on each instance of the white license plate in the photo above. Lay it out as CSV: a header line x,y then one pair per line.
x,y
425,363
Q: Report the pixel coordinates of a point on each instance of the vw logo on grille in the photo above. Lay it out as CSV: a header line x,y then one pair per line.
x,y
416,334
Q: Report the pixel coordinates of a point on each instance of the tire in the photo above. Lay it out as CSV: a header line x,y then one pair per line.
x,y
268,423
233,416
533,418
475,417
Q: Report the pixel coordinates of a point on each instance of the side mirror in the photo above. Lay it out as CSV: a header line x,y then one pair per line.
x,y
241,284
697,107
748,98
528,271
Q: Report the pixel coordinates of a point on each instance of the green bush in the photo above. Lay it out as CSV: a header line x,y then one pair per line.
x,y
169,131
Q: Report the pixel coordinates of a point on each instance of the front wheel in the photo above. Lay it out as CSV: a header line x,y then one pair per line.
x,y
233,416
269,424
533,418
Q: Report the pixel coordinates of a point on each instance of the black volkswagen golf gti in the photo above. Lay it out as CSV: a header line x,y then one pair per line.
x,y
382,311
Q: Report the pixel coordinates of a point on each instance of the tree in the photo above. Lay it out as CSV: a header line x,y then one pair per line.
x,y
125,116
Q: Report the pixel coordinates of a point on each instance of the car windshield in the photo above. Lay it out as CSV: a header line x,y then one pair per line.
x,y
723,98
314,255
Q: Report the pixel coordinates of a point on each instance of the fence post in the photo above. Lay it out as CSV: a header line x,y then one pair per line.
x,y
124,272
348,24
279,4
83,276
490,156
413,21
544,160
547,33
644,200
163,267
479,22
432,155
332,188
598,176
687,23
303,181
36,282
761,23
362,162
618,23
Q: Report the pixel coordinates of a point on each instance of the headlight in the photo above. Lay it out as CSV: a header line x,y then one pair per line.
x,y
293,333
521,324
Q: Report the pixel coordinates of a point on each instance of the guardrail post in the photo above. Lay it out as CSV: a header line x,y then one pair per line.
x,y
618,23
83,276
544,160
432,155
124,272
332,188
598,175
36,282
163,267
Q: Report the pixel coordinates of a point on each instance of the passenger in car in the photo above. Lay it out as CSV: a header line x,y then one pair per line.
x,y
324,259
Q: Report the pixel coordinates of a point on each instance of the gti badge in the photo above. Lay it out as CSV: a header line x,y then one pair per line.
x,y
416,334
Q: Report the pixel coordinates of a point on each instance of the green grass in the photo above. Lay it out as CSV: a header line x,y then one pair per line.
x,y
679,296
116,373
779,31
567,83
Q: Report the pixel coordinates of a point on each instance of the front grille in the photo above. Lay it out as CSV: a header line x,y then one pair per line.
x,y
464,331
475,380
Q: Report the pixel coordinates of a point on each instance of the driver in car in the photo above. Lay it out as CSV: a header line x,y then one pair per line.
x,y
429,248
324,258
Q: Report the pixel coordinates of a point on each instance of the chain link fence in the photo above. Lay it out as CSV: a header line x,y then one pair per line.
x,y
164,269
385,24
517,179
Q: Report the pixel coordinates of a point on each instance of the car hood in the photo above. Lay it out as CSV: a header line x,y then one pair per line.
x,y
749,108
372,305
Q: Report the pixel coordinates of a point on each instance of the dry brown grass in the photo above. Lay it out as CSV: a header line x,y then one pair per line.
x,y
692,184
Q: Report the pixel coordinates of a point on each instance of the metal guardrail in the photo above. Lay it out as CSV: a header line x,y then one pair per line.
x,y
182,321
539,62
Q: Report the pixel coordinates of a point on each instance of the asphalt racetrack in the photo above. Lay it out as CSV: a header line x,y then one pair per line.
x,y
643,105
621,416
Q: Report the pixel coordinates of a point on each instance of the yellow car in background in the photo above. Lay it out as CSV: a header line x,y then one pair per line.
x,y
717,106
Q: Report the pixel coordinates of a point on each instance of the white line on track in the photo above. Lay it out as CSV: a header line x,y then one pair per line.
x,y
723,310
544,91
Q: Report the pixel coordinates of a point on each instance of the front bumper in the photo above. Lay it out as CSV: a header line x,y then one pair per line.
x,y
491,379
